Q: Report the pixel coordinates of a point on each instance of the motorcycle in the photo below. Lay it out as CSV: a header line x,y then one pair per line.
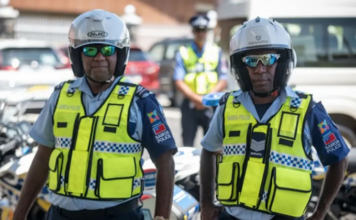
x,y
344,204
187,163
13,173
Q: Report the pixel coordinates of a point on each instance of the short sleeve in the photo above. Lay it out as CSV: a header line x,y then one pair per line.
x,y
179,69
213,139
156,135
326,137
42,130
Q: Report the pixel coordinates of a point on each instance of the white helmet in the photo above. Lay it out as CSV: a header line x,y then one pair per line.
x,y
257,34
98,27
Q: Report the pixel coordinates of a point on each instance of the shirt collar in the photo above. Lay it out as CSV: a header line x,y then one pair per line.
x,y
82,85
286,92
195,48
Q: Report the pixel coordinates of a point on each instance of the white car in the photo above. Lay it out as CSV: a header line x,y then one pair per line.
x,y
28,91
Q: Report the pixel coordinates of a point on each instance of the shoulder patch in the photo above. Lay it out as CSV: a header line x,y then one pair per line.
x,y
142,92
224,98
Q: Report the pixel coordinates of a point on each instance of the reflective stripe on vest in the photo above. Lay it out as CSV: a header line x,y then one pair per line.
x,y
264,166
94,156
201,74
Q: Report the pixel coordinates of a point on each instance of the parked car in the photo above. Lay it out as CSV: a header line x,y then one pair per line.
x,y
19,54
141,69
163,52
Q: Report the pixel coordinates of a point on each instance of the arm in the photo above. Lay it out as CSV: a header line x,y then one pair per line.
x,y
157,138
332,183
207,177
332,151
212,145
164,184
187,92
35,180
222,72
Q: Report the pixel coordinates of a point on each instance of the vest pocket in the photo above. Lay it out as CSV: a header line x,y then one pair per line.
x,y
55,170
115,178
289,192
227,178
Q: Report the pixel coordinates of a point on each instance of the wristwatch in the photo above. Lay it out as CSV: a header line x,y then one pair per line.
x,y
160,218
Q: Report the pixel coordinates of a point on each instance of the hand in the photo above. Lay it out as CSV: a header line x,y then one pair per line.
x,y
211,212
198,103
18,217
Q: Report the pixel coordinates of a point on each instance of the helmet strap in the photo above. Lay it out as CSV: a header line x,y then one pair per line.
x,y
108,81
274,92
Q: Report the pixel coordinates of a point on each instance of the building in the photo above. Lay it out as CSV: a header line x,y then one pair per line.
x,y
50,20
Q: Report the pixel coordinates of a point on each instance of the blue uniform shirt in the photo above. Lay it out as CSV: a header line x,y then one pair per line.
x,y
180,71
140,128
330,149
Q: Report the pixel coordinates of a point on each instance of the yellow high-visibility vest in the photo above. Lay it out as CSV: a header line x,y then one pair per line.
x,y
201,74
264,166
94,156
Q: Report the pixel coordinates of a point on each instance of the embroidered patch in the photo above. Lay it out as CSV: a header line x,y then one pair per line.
x,y
323,126
329,138
159,128
153,116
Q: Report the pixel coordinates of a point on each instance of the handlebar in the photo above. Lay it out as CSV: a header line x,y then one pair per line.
x,y
8,146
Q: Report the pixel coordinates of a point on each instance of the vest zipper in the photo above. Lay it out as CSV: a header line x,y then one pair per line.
x,y
92,142
265,161
72,147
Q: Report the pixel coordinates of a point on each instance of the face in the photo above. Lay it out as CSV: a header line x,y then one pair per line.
x,y
262,76
200,35
99,61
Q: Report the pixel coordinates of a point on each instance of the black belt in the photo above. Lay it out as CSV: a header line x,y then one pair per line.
x,y
99,213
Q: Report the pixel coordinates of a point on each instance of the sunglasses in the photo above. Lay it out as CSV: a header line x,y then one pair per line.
x,y
106,51
266,59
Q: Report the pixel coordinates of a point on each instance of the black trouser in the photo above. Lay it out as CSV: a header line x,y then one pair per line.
x,y
122,212
225,216
191,119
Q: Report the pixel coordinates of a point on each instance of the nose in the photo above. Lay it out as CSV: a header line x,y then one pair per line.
x,y
99,57
260,68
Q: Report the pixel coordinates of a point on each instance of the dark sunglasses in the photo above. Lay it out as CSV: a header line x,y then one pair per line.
x,y
266,59
106,51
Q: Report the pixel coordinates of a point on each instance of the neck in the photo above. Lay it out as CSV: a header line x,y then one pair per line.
x,y
200,45
262,100
97,88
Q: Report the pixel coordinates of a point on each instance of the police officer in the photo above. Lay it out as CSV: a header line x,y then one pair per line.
x,y
92,131
259,141
200,69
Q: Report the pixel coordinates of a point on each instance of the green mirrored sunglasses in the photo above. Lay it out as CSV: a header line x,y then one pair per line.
x,y
91,51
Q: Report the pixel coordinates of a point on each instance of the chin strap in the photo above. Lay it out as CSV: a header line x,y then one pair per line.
x,y
274,93
110,80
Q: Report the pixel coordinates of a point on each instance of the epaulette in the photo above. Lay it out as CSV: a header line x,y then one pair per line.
x,y
224,98
142,92
301,95
60,85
